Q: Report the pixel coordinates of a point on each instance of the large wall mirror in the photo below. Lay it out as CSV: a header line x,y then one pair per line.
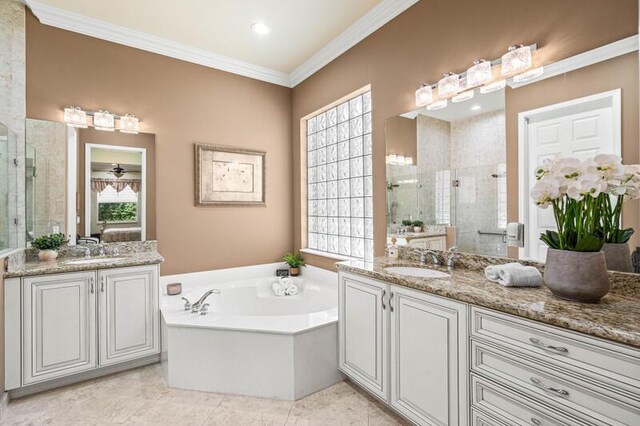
x,y
465,171
91,185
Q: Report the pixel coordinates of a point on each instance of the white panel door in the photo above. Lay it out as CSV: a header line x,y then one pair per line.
x,y
363,330
582,128
428,358
59,318
129,313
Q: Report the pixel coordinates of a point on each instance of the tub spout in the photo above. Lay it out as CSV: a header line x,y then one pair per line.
x,y
195,307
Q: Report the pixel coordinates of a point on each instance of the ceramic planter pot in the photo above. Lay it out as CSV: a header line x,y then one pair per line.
x,y
47,255
576,276
294,272
618,257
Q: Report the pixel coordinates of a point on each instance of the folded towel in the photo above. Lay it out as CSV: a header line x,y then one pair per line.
x,y
514,275
278,289
292,290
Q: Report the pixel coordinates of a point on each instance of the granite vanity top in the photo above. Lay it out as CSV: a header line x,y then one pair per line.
x,y
70,264
413,235
616,317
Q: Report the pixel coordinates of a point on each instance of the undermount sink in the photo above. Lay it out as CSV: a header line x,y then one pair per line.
x,y
90,261
411,271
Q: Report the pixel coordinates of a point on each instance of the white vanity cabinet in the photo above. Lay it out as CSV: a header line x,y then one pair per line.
x,y
60,325
129,316
408,348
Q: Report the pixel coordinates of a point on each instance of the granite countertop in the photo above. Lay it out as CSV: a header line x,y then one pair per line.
x,y
616,317
70,264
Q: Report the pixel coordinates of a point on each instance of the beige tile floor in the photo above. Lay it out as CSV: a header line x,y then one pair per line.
x,y
141,396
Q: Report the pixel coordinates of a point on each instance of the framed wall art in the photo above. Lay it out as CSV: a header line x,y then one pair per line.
x,y
229,176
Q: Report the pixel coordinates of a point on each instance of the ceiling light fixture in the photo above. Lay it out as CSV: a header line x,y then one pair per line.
x,y
424,95
260,28
104,120
74,116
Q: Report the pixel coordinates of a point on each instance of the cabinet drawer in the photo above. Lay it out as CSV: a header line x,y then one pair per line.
x,y
554,387
510,408
613,365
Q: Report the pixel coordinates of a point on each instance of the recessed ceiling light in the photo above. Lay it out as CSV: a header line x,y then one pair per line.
x,y
260,28
475,108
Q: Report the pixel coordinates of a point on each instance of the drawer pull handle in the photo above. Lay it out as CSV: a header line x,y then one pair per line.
x,y
390,304
384,292
538,383
91,281
548,348
536,422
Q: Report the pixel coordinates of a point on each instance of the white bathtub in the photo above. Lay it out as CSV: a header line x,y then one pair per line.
x,y
252,342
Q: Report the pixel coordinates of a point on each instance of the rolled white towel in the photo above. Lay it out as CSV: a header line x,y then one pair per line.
x,y
514,275
278,289
292,290
286,282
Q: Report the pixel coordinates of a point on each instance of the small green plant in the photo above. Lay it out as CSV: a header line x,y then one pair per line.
x,y
49,242
418,223
407,223
293,260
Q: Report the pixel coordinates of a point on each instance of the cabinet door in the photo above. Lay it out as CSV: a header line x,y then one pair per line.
x,y
129,319
429,365
363,332
59,325
437,243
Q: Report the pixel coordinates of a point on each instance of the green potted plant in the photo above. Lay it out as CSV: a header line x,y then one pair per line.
x,y
407,224
417,225
48,245
294,261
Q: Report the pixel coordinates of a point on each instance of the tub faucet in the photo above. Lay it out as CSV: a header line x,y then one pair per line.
x,y
197,306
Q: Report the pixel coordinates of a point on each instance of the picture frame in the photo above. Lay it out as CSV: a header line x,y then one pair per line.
x,y
229,176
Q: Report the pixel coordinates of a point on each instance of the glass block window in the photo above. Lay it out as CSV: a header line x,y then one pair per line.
x,y
443,197
339,180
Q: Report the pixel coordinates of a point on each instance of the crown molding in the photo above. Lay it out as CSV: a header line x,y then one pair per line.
x,y
359,30
370,22
581,60
92,27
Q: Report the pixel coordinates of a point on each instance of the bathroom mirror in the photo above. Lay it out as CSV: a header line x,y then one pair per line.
x,y
91,185
462,171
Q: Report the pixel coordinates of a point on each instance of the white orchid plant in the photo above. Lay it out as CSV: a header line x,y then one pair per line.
x,y
586,197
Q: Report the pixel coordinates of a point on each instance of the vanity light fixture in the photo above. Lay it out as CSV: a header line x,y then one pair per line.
x,y
492,87
408,161
104,120
479,74
424,95
464,96
448,85
74,116
260,28
129,124
516,60
437,105
529,75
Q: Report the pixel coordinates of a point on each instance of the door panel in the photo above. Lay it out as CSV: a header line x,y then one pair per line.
x,y
363,332
128,313
428,358
59,326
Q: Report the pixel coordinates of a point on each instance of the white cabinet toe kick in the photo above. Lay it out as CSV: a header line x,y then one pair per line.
x,y
438,361
64,325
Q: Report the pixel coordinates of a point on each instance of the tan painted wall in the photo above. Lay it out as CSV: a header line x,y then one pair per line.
x,y
617,73
435,36
141,140
181,103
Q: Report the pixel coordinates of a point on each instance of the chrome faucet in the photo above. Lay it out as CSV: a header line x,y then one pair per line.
x,y
200,305
452,257
423,256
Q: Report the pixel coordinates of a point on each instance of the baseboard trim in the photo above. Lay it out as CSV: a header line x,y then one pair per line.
x,y
81,377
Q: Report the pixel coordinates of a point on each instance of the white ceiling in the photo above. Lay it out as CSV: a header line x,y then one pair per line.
x,y
220,30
